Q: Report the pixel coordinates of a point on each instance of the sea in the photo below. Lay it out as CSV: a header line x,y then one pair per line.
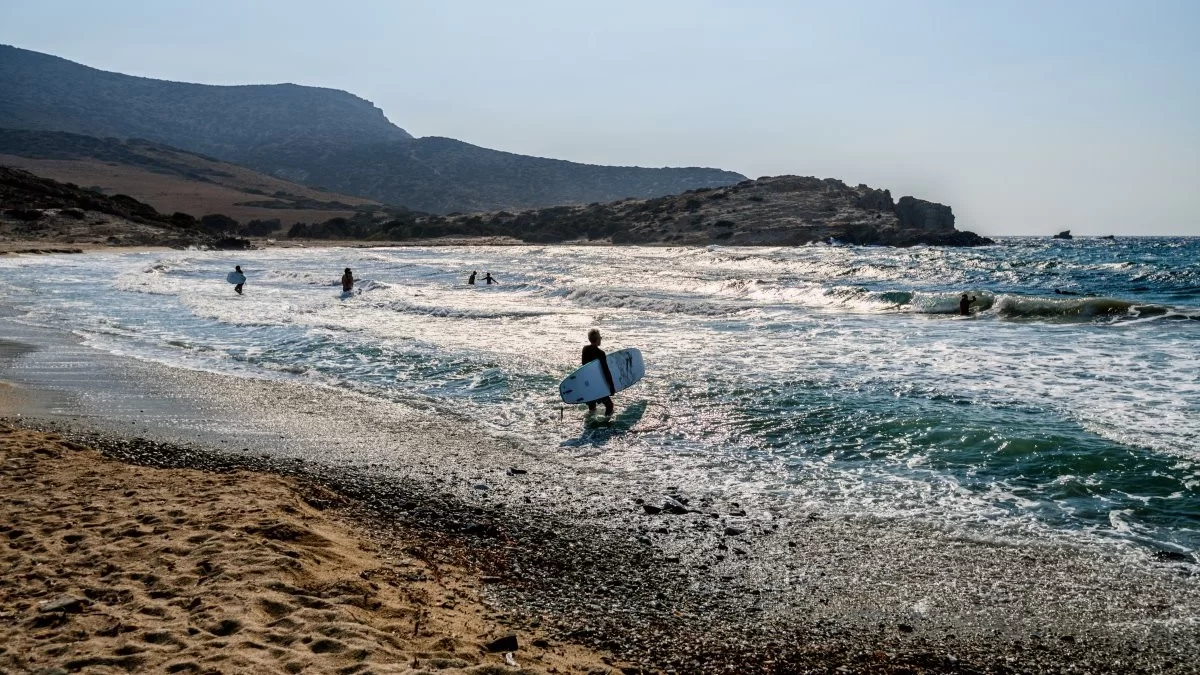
x,y
824,378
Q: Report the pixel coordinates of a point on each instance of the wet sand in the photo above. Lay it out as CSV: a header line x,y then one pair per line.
x,y
566,546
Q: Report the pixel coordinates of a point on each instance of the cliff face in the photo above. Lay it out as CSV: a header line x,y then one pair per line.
x,y
918,214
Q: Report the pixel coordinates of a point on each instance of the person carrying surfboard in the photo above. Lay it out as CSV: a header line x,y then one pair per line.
x,y
238,288
347,281
591,352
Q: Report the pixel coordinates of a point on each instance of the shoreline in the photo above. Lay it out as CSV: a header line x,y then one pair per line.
x,y
695,592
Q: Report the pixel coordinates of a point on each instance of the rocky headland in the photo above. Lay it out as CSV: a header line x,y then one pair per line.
x,y
771,211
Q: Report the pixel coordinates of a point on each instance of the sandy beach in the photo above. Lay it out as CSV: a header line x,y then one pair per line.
x,y
559,548
116,568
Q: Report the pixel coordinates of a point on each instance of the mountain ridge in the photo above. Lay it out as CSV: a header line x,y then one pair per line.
x,y
290,130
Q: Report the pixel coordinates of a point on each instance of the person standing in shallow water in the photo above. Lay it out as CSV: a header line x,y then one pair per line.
x,y
591,352
488,278
964,304
238,288
347,281
471,279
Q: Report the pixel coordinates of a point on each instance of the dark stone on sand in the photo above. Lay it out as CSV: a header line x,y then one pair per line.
x,y
66,604
508,643
674,508
734,531
514,471
651,510
905,628
1171,556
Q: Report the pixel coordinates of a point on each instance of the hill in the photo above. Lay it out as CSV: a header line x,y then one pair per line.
x,y
36,210
443,175
39,209
170,179
778,211
316,136
53,94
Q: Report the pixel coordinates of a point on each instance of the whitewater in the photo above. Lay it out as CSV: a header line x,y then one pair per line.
x,y
1066,405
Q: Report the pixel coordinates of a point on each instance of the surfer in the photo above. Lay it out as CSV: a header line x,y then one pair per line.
x,y
964,304
488,278
471,279
591,352
347,281
238,288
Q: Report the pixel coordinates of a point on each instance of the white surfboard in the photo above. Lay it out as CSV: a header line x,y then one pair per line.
x,y
587,382
236,278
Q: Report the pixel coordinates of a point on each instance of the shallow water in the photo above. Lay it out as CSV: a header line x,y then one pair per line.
x,y
814,378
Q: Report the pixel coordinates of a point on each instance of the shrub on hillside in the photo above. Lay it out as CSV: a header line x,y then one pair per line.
x,y
261,228
218,223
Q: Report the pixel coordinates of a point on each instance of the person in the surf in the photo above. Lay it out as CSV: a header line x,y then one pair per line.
x,y
488,278
238,289
347,281
471,279
964,304
591,352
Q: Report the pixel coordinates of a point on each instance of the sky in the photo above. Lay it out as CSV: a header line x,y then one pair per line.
x,y
1025,117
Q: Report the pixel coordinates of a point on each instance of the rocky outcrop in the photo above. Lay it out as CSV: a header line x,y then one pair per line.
x,y
918,214
1065,234
776,211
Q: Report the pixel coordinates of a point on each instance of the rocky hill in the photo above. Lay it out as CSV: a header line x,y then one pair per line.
x,y
320,137
778,211
35,209
170,179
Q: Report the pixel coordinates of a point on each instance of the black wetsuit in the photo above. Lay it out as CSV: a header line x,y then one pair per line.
x,y
471,279
591,353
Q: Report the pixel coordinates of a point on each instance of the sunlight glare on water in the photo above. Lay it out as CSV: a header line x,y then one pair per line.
x,y
820,377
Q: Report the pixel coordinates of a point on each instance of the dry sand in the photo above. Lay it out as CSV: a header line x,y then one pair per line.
x,y
114,568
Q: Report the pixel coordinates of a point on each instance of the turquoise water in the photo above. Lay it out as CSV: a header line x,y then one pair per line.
x,y
819,378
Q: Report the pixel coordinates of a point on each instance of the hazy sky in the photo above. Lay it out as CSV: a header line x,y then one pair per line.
x,y
1025,117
